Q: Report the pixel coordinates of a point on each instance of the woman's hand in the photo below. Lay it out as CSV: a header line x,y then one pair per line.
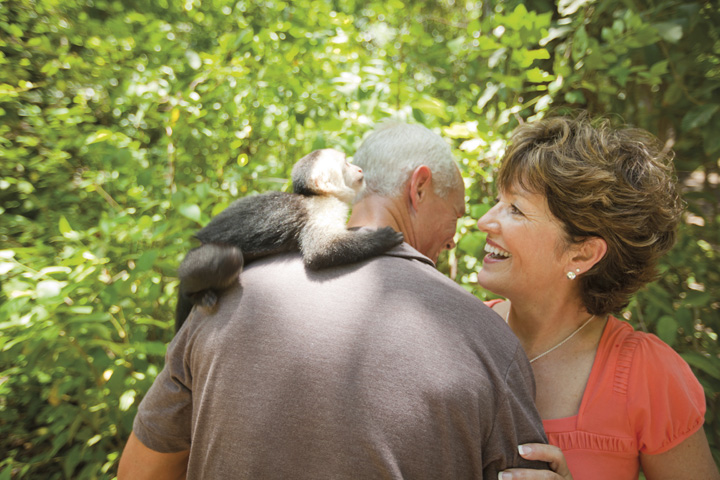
x,y
543,453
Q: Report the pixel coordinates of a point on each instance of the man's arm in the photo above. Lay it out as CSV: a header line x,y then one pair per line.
x,y
138,462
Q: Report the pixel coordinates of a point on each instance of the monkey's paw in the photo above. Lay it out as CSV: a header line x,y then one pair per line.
x,y
387,237
208,299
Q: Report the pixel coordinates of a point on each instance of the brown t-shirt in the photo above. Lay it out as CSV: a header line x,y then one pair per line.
x,y
380,369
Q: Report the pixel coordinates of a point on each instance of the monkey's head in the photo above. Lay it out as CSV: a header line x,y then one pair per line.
x,y
327,172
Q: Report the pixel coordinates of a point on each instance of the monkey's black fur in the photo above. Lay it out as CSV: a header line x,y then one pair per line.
x,y
312,220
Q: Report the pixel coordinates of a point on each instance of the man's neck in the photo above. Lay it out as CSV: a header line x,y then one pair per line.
x,y
375,211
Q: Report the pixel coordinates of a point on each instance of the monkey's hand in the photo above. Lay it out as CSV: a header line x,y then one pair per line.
x,y
206,298
386,238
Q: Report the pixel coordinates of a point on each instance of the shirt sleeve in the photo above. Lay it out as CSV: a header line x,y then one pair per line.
x,y
667,403
163,421
516,422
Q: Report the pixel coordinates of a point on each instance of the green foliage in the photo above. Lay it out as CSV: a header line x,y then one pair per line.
x,y
127,125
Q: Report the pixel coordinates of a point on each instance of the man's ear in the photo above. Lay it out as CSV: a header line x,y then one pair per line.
x,y
419,185
587,254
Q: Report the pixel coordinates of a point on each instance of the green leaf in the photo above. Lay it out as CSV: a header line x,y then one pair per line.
x,y
703,363
478,210
431,106
669,31
193,59
472,243
64,226
543,103
151,348
6,267
191,211
13,29
555,33
659,68
49,288
99,136
6,473
667,329
537,75
488,93
698,299
126,400
569,7
455,46
72,460
711,139
146,261
576,96
699,116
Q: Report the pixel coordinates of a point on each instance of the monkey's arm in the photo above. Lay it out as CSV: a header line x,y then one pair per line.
x,y
325,242
348,247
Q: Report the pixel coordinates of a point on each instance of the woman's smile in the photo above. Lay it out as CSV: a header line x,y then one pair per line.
x,y
495,252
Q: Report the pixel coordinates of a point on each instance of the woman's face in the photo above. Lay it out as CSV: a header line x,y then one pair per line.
x,y
526,250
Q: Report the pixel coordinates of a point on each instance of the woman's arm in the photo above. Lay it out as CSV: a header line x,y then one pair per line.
x,y
689,459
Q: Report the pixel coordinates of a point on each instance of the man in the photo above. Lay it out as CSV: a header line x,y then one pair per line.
x,y
380,369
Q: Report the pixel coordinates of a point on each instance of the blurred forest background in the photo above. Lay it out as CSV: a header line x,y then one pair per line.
x,y
127,124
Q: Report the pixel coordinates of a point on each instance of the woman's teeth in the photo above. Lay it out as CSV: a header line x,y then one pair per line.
x,y
496,252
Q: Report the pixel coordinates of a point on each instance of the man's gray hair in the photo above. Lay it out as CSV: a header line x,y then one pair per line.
x,y
390,154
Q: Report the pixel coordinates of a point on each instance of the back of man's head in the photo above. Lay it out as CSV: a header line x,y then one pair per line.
x,y
390,154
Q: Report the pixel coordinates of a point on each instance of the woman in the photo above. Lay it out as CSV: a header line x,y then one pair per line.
x,y
584,212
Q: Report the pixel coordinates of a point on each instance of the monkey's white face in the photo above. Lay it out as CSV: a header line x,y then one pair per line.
x,y
353,175
338,177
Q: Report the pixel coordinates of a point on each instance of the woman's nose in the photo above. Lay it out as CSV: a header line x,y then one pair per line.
x,y
488,221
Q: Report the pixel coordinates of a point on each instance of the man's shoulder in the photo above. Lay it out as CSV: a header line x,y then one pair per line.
x,y
402,267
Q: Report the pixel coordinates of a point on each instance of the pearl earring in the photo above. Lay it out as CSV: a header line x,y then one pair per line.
x,y
572,275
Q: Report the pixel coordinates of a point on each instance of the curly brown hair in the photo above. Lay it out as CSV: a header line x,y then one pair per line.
x,y
613,183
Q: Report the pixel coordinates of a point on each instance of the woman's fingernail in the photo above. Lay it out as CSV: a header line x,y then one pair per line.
x,y
504,476
523,450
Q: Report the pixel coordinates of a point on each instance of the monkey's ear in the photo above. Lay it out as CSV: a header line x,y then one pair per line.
x,y
320,175
420,183
324,183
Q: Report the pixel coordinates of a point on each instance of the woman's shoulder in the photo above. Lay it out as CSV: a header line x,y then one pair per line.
x,y
637,349
664,399
641,358
640,383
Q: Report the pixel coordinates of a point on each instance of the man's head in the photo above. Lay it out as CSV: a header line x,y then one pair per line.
x,y
413,184
390,154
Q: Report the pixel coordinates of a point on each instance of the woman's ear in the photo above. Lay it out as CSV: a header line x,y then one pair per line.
x,y
419,185
587,254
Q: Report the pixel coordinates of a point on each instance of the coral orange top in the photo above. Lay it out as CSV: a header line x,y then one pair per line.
x,y
641,397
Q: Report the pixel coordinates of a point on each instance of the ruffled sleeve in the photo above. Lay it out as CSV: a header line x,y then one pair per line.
x,y
666,401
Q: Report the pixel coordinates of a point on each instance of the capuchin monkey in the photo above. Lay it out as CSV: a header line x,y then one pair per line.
x,y
312,219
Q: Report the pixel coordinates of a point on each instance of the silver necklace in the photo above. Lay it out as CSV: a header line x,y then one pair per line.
x,y
507,315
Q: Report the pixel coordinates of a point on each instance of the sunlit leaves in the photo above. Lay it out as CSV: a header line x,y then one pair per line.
x,y
127,125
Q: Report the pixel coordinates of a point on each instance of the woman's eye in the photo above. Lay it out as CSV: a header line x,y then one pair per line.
x,y
514,210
